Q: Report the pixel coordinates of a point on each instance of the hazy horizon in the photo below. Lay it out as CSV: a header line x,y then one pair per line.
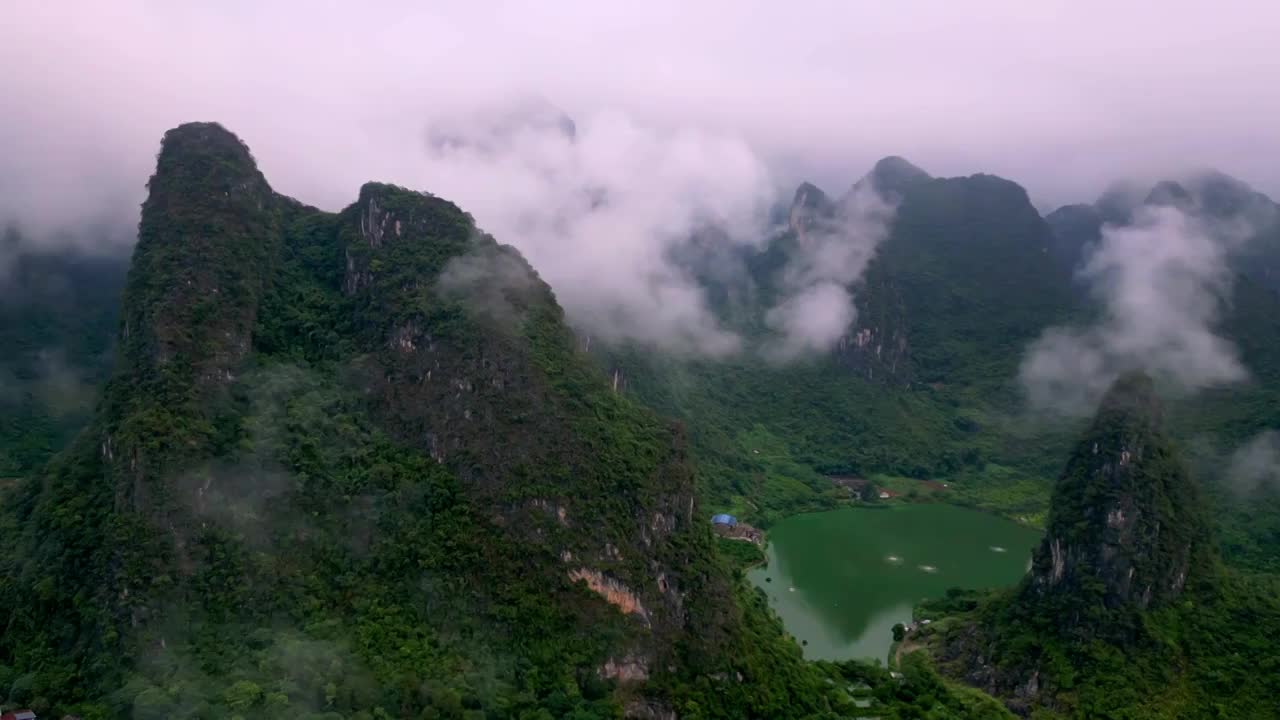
x,y
682,116
1056,96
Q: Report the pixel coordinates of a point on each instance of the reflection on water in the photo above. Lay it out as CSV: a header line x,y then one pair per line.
x,y
852,574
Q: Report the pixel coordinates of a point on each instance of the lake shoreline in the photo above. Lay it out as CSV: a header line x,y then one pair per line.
x,y
839,579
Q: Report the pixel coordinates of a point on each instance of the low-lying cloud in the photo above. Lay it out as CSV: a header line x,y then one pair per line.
x,y
598,203
1256,463
1161,282
831,254
495,284
603,206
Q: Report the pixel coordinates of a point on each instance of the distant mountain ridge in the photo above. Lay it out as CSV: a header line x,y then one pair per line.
x,y
58,314
1210,194
945,236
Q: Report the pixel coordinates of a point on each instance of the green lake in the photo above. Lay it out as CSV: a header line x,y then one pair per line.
x,y
840,580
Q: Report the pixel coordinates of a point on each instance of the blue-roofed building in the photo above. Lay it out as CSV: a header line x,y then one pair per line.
x,y
727,526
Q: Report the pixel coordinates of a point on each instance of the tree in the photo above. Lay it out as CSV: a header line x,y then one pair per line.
x,y
243,695
152,704
899,632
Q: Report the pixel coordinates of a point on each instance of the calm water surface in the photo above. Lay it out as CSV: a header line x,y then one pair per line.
x,y
841,579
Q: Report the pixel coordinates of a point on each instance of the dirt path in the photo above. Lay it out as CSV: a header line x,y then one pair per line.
x,y
907,646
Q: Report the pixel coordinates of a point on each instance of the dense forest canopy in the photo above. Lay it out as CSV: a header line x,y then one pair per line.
x,y
361,463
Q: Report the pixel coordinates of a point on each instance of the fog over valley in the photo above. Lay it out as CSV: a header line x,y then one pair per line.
x,y
657,361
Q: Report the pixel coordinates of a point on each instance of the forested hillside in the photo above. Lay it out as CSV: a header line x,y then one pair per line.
x,y
1216,422
351,465
924,384
357,464
1127,610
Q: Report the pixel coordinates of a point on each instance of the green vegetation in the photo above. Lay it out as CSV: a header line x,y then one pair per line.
x,y
346,463
352,466
1127,611
739,554
57,323
968,277
1200,657
931,396
766,437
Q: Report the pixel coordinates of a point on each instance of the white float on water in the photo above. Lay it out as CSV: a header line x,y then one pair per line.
x,y
893,559
997,548
929,568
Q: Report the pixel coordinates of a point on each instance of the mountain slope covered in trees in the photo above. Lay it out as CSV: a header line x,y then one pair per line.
x,y
351,465
58,313
1127,610
924,384
1217,421
921,385
356,464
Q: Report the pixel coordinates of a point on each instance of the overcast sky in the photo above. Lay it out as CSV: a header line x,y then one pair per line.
x,y
685,112
1060,96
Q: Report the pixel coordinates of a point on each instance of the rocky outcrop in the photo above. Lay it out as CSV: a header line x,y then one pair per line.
x,y
1127,526
626,669
810,208
1126,534
470,362
648,709
452,397
443,392
893,177
208,241
876,345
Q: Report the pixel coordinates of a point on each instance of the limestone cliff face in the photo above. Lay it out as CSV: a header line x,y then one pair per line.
x,y
1126,527
1126,534
455,387
809,209
472,363
617,594
446,307
966,273
208,242
202,258
875,344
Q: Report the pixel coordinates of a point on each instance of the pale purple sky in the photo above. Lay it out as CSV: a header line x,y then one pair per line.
x,y
1060,96
685,110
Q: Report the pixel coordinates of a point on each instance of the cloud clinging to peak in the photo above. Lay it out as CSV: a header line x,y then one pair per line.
x,y
1161,282
682,114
